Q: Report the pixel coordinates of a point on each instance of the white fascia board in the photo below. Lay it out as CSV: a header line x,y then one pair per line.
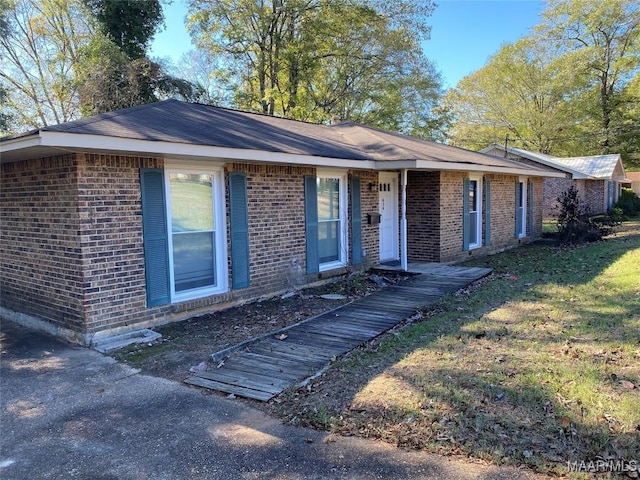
x,y
84,142
464,167
20,143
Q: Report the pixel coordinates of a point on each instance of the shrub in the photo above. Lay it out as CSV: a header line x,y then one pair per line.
x,y
629,203
575,226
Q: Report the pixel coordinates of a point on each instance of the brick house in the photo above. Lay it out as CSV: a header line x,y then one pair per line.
x,y
155,213
597,178
633,181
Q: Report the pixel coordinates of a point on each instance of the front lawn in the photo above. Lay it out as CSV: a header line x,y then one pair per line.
x,y
538,365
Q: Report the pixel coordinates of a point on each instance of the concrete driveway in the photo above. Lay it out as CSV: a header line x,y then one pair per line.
x,y
72,413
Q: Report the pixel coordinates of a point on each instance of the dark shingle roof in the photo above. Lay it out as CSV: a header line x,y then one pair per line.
x,y
196,124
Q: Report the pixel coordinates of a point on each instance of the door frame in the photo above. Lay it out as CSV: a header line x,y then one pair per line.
x,y
383,179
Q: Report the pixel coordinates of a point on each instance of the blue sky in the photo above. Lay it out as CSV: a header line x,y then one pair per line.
x,y
465,33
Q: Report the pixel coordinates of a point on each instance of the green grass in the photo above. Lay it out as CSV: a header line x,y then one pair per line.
x,y
539,365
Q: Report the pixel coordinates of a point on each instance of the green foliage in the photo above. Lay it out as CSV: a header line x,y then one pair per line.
x,y
130,24
521,93
575,225
628,203
113,71
313,60
570,88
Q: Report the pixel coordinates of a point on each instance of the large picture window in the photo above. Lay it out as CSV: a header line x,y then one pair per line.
x,y
196,237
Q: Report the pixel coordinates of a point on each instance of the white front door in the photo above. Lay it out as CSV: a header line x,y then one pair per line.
x,y
388,193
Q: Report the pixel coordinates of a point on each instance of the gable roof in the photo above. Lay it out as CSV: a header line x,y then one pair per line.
x,y
595,167
175,129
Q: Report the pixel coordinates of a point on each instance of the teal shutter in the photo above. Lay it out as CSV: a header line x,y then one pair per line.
x,y
356,221
608,196
155,236
239,223
487,212
311,223
530,207
518,197
466,219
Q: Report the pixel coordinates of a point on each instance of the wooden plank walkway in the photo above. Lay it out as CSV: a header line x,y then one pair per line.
x,y
264,368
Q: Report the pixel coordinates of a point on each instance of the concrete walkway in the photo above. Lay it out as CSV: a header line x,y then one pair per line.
x,y
71,413
264,368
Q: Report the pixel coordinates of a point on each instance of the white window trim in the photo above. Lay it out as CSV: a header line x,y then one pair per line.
x,y
344,237
523,226
478,243
220,227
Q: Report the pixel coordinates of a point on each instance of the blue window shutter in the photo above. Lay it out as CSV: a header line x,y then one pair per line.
x,y
487,212
466,219
608,195
356,221
155,236
518,212
530,207
311,223
239,224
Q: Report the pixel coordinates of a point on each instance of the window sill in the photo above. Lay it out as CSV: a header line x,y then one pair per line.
x,y
325,267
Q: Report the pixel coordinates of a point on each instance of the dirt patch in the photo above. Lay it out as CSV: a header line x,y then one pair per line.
x,y
188,343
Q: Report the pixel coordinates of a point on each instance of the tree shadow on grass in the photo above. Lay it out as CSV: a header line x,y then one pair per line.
x,y
511,371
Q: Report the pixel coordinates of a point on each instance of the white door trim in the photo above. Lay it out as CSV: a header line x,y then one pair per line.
x,y
388,179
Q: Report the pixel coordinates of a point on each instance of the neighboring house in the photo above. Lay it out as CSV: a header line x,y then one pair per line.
x,y
597,178
159,212
633,179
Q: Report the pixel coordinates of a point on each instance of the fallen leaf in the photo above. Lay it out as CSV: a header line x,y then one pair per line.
x,y
627,384
282,337
201,367
565,421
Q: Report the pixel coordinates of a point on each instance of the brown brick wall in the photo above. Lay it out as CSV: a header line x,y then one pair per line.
x,y
275,196
72,251
451,188
370,204
40,251
554,188
109,207
595,196
423,216
502,216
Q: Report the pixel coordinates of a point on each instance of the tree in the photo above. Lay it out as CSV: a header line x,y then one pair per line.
x,y
566,89
521,95
601,40
39,46
130,24
113,71
314,59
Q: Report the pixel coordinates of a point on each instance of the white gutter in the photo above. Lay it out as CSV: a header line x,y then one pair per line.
x,y
462,167
20,143
404,263
73,142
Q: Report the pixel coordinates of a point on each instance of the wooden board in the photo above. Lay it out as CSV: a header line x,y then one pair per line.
x,y
265,368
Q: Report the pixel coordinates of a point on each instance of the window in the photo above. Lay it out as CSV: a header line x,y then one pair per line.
x,y
474,203
521,208
332,204
195,219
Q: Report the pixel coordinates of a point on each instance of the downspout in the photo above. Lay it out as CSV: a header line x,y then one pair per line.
x,y
404,263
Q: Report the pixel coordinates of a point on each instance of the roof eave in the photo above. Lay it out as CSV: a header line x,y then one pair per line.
x,y
463,167
68,142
